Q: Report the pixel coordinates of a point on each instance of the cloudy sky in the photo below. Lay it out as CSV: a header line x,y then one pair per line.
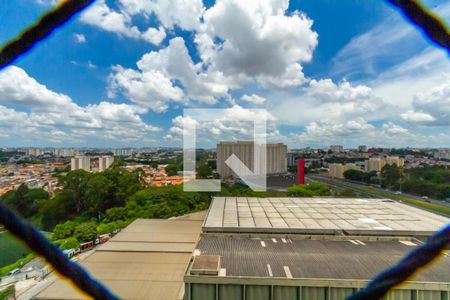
x,y
327,72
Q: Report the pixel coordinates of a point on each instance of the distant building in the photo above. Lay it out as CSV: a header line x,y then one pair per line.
x,y
337,170
442,154
374,164
80,162
362,148
104,162
336,148
276,157
390,160
34,152
292,159
122,152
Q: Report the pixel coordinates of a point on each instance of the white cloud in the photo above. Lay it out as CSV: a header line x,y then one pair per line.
x,y
413,116
394,128
183,13
234,123
55,117
154,35
253,98
79,38
327,91
258,40
101,16
153,84
435,103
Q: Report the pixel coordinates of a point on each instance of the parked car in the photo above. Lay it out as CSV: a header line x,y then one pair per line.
x,y
14,272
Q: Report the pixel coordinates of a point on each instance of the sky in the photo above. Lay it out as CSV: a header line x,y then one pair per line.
x,y
121,73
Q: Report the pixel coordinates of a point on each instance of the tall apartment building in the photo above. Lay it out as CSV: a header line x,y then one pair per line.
x,y
276,154
104,162
390,160
374,164
80,162
336,148
442,154
292,159
337,170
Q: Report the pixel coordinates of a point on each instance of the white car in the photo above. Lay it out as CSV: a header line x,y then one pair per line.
x,y
398,193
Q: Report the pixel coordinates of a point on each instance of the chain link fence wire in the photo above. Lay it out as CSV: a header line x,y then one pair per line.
x,y
62,264
430,24
409,265
379,286
50,21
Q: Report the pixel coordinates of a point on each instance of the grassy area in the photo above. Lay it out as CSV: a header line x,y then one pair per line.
x,y
8,292
18,264
11,249
430,206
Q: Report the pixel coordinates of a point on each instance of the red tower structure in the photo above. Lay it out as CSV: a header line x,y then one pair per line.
x,y
300,171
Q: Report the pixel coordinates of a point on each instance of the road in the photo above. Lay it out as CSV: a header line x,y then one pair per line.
x,y
432,205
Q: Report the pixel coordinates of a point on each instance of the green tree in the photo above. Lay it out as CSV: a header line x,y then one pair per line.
x,y
204,171
64,230
25,201
85,232
390,175
74,187
69,243
107,228
172,169
98,194
309,190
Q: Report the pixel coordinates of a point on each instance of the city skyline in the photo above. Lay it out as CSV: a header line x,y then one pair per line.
x,y
321,84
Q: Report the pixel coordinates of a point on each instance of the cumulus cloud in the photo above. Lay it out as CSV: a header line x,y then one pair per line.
x,y
56,117
435,103
154,35
253,98
257,39
102,16
153,83
233,123
413,116
185,14
79,38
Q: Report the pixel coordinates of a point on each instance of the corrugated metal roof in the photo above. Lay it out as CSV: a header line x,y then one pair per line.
x,y
320,259
319,216
147,260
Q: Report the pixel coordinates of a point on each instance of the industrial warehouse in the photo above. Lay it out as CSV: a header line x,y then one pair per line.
x,y
267,248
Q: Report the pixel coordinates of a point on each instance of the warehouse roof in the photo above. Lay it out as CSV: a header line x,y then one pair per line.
x,y
320,216
146,260
343,258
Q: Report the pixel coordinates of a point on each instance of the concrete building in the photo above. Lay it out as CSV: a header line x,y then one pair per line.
x,y
147,260
276,157
362,148
80,162
104,162
442,154
267,249
390,160
374,164
337,170
336,148
292,159
309,248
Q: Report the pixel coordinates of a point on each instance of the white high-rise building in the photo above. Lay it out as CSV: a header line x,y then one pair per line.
x,y
337,148
80,162
276,155
104,162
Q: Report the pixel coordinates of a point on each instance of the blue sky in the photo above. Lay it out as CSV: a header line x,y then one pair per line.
x,y
120,73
